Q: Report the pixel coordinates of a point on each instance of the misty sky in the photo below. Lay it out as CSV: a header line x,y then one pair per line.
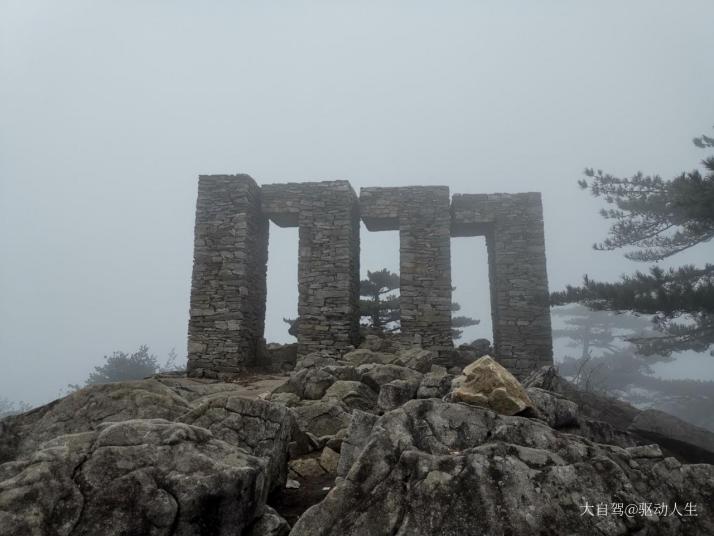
x,y
110,110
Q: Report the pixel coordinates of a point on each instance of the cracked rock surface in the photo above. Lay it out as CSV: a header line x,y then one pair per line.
x,y
137,458
144,476
437,468
370,445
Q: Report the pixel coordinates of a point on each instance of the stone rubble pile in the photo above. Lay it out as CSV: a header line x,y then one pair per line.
x,y
377,440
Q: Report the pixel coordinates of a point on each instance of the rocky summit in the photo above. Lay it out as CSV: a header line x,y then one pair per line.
x,y
371,441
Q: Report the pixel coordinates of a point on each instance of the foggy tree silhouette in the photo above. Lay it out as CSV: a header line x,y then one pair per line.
x,y
121,366
658,218
379,306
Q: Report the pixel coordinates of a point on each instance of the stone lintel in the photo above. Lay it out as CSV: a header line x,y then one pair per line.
x,y
513,226
281,203
327,214
379,208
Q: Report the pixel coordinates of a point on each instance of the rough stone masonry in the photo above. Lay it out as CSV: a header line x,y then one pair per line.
x,y
228,291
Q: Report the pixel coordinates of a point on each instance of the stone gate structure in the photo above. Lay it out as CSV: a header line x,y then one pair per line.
x,y
228,290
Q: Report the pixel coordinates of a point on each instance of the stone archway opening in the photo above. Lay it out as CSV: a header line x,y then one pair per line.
x,y
378,250
470,279
228,294
282,277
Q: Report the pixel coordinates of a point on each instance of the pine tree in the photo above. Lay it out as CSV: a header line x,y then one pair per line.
x,y
658,218
379,305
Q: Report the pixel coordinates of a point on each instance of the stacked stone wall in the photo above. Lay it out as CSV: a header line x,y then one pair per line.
x,y
421,215
327,215
228,287
513,227
228,291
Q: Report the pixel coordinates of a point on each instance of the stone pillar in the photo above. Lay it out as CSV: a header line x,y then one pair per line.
x,y
228,288
422,217
513,227
327,214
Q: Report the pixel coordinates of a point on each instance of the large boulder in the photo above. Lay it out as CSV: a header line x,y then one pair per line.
x,y
354,395
362,356
133,477
488,384
435,384
322,417
590,404
436,468
415,358
695,443
396,393
193,390
308,383
258,427
356,438
375,376
607,420
557,410
85,409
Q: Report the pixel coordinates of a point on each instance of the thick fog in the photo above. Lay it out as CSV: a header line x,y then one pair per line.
x,y
109,111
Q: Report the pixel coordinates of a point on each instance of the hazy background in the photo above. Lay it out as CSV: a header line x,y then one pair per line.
x,y
110,110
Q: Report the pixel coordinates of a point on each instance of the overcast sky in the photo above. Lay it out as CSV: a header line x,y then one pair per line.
x,y
110,110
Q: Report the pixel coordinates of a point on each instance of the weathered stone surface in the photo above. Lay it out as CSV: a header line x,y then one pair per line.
x,y
490,385
322,417
280,357
436,468
133,477
363,356
396,393
228,289
375,376
286,399
435,384
335,441
307,467
308,383
258,427
269,524
355,440
302,443
590,404
557,410
329,460
354,395
645,451
415,358
194,389
314,359
343,372
608,420
84,410
696,443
